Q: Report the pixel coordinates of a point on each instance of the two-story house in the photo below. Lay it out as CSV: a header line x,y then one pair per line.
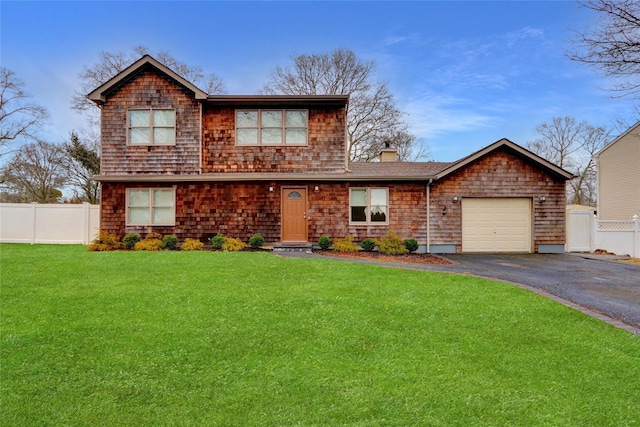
x,y
179,161
618,166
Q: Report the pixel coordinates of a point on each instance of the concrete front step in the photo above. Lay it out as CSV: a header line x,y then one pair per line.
x,y
292,247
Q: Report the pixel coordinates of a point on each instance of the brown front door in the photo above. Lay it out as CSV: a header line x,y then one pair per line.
x,y
294,214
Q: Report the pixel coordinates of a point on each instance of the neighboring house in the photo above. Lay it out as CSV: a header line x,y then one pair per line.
x,y
618,167
178,161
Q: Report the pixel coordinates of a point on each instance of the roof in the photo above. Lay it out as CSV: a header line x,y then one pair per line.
x,y
278,100
99,94
627,132
515,149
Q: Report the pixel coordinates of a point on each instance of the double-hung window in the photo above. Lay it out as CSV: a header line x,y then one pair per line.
x,y
152,126
369,205
151,206
271,127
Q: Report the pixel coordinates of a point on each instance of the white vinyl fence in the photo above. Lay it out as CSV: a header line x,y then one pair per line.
x,y
585,233
49,223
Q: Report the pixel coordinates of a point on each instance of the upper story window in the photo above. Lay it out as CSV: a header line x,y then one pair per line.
x,y
369,205
271,127
152,127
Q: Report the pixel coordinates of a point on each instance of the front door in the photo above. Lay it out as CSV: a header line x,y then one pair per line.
x,y
294,214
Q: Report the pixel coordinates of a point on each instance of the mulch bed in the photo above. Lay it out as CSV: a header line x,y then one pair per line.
x,y
378,257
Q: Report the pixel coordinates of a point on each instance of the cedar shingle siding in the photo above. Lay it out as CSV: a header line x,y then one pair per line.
x,y
325,151
149,89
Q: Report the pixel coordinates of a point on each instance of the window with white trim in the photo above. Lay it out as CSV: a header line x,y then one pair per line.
x,y
151,206
369,205
271,127
152,126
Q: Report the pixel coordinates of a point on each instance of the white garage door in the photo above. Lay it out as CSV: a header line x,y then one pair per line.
x,y
496,225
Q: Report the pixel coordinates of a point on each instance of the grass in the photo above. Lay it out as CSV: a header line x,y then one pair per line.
x,y
239,339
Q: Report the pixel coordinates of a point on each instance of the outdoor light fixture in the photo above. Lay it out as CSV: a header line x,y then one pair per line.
x,y
542,199
316,188
271,189
455,199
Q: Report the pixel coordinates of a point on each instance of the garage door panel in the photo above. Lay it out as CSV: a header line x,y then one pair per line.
x,y
496,225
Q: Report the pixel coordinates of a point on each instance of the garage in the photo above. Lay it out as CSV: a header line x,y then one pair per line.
x,y
496,225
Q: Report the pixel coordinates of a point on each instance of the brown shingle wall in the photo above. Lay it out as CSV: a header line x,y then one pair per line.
x,y
242,209
325,151
500,174
150,90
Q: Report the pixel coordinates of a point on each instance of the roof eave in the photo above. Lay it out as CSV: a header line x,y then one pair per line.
x,y
244,177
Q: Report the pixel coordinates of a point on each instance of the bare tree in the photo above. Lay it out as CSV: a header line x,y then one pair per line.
x,y
111,63
613,47
82,163
19,118
572,145
36,173
372,116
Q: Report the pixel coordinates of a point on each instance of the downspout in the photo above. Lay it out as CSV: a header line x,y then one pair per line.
x,y
201,141
428,215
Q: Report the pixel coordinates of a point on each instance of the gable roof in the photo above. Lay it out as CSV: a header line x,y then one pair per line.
x,y
515,149
98,95
627,132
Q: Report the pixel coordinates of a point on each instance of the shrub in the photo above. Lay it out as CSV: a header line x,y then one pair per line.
x,y
368,245
153,235
192,245
130,240
256,241
391,244
104,242
170,242
147,244
324,242
217,241
411,245
345,245
232,245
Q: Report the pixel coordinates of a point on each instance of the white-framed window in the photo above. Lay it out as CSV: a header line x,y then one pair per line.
x,y
369,205
149,126
271,127
151,206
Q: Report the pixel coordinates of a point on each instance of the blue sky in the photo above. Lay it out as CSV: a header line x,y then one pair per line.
x,y
465,73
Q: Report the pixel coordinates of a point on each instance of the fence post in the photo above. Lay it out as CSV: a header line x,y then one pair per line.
x,y
636,237
34,210
87,223
594,233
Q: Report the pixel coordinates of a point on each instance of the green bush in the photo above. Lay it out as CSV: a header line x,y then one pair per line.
x,y
170,242
217,241
391,244
256,241
411,245
368,245
324,242
105,242
130,240
232,245
345,245
192,245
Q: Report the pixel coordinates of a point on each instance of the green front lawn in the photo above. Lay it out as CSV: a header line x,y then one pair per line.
x,y
245,339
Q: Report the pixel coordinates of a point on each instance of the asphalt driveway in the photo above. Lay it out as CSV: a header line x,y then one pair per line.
x,y
598,283
595,284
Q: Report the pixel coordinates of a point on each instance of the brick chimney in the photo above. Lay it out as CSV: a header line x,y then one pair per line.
x,y
388,154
